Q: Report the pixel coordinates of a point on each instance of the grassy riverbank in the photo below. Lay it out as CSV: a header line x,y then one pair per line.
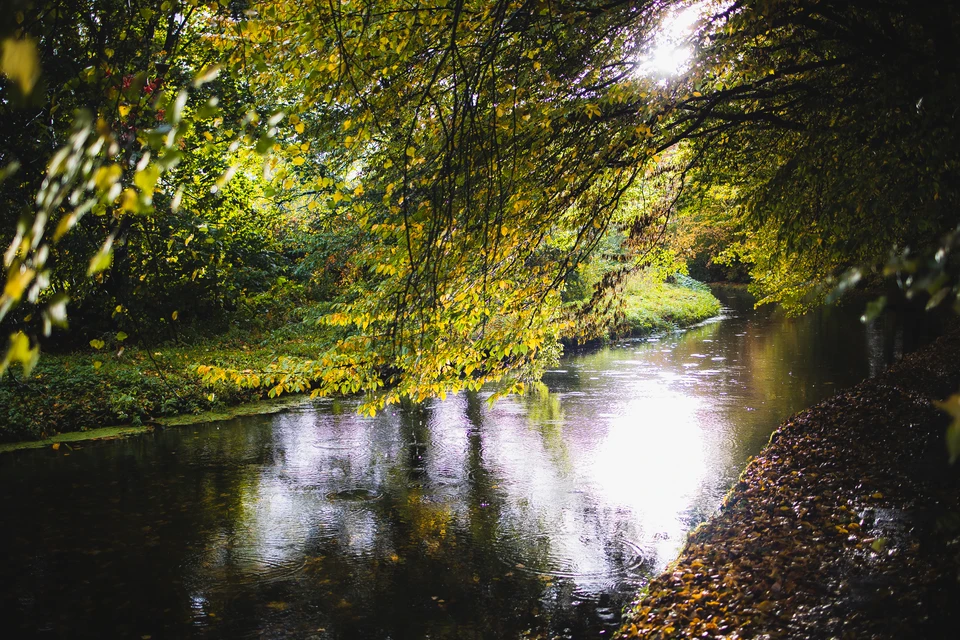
x,y
132,386
651,307
96,388
847,525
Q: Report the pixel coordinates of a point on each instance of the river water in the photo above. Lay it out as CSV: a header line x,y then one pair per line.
x,y
536,517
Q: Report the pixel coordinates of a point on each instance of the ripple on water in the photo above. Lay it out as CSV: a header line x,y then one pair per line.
x,y
340,445
556,556
354,494
222,567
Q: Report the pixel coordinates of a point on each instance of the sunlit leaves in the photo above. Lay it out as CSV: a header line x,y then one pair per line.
x,y
20,352
952,406
873,310
207,74
460,162
101,261
19,62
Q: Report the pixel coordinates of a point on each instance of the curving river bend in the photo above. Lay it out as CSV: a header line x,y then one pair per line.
x,y
537,517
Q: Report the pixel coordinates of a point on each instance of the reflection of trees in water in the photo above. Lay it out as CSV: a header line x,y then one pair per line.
x,y
412,524
434,566
545,417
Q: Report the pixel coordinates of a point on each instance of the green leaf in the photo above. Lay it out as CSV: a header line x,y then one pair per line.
x,y
953,441
146,180
847,281
101,261
9,170
121,336
264,144
874,309
56,313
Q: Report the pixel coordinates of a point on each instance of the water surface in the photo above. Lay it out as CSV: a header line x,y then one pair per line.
x,y
536,517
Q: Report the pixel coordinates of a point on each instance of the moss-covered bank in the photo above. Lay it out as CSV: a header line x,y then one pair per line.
x,y
847,525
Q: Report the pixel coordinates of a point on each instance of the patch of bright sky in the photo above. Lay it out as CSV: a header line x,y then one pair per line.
x,y
671,53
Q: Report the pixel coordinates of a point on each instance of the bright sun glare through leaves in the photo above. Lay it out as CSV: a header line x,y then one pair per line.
x,y
670,52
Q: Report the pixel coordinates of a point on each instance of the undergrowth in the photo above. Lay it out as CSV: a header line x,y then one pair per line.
x,y
130,385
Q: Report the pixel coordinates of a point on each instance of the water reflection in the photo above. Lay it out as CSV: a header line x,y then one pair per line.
x,y
538,515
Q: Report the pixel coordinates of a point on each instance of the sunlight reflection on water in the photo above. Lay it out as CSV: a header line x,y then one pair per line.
x,y
451,519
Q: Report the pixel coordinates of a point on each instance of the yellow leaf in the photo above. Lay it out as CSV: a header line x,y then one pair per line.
x,y
17,283
56,446
300,128
21,63
19,351
99,262
206,74
129,201
952,406
298,161
105,177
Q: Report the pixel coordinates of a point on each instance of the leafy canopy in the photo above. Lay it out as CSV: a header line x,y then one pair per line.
x,y
467,157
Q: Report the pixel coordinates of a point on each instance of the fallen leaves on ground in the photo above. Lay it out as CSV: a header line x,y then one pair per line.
x,y
841,528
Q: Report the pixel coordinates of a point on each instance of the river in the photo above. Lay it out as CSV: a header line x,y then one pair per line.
x,y
536,517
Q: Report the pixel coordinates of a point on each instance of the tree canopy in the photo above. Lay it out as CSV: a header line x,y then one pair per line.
x,y
440,170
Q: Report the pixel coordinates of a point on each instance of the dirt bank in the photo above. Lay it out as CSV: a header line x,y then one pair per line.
x,y
847,525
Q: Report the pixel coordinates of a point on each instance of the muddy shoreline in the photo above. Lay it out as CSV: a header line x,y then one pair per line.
x,y
847,525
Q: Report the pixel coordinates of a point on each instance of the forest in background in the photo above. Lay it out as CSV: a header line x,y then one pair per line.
x,y
409,199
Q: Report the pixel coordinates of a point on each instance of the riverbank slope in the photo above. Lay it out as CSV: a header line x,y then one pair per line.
x,y
847,525
652,307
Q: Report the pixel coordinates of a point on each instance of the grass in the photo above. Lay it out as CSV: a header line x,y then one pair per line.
x,y
89,390
652,307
